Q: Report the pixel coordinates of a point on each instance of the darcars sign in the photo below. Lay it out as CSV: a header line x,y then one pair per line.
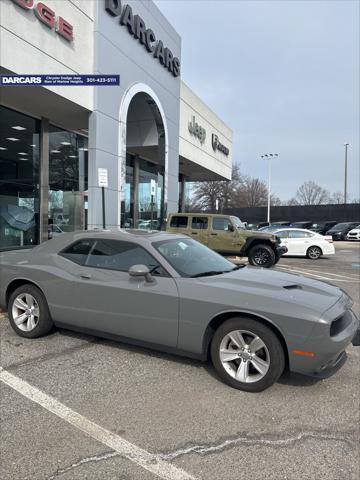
x,y
137,28
217,145
48,17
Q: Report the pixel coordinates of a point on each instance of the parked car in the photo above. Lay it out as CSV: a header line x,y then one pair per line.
x,y
305,243
173,293
225,234
340,230
354,234
322,227
269,228
305,225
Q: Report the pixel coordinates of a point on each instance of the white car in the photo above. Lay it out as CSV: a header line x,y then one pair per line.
x,y
305,243
354,234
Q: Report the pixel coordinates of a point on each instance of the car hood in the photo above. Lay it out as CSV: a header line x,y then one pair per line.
x,y
355,230
287,287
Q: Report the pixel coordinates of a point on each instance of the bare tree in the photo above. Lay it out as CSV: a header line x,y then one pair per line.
x,y
252,192
205,194
336,198
310,193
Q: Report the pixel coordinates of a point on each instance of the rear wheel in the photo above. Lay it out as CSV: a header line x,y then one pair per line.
x,y
247,355
261,255
28,312
314,252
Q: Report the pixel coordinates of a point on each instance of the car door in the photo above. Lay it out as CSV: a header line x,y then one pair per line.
x,y
99,295
223,235
199,228
284,237
299,241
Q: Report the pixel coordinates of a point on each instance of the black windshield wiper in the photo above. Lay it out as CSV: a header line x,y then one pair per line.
x,y
206,274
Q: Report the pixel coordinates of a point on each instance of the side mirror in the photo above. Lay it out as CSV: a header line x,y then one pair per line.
x,y
231,228
141,271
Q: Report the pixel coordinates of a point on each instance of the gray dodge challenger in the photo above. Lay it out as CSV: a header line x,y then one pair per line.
x,y
172,293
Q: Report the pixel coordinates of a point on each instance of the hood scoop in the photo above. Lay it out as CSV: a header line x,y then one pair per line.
x,y
293,287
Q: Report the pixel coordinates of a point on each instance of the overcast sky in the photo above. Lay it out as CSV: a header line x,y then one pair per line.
x,y
284,75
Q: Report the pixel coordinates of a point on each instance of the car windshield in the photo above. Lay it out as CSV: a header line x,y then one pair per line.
x,y
190,258
340,226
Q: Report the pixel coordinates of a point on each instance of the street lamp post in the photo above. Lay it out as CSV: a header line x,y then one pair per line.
x,y
345,173
269,156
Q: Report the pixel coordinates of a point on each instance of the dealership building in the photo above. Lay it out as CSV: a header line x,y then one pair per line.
x,y
145,138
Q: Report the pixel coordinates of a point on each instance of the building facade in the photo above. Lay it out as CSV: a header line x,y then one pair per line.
x,y
151,133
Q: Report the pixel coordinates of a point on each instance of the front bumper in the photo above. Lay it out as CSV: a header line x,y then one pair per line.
x,y
328,351
281,250
337,236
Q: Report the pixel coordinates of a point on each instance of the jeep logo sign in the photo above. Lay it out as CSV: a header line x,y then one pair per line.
x,y
216,145
137,28
197,131
48,18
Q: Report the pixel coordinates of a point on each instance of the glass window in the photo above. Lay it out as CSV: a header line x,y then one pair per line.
x,y
221,224
282,234
179,222
299,234
78,251
190,258
68,167
19,179
199,223
117,255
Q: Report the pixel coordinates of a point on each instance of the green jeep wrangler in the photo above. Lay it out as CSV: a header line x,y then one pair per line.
x,y
226,234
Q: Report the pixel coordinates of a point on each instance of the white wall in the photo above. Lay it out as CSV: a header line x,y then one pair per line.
x,y
190,146
29,46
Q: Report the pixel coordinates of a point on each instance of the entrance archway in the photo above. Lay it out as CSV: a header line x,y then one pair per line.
x,y
144,159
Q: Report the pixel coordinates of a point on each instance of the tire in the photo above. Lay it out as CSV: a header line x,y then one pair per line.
x,y
269,356
261,255
314,252
36,320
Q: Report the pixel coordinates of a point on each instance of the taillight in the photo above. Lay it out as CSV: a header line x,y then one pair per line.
x,y
329,238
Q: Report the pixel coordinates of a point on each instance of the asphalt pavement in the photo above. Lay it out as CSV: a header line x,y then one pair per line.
x,y
79,407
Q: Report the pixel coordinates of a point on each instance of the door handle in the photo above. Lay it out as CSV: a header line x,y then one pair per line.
x,y
85,275
194,233
215,234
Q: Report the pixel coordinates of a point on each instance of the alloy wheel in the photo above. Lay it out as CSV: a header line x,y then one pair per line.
x,y
314,253
261,257
25,312
244,356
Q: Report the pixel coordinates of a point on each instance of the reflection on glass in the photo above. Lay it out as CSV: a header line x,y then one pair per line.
x,y
68,167
19,179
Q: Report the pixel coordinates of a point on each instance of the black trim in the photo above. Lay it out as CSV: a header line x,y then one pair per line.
x,y
130,341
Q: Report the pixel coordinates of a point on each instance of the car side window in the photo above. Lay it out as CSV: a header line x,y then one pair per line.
x,y
118,255
299,234
221,224
199,223
78,252
283,234
179,222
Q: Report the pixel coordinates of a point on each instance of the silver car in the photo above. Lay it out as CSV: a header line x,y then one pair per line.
x,y
172,293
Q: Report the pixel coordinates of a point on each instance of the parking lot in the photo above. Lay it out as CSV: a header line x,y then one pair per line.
x,y
105,410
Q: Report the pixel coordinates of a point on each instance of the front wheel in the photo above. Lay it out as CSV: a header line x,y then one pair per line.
x,y
247,355
261,255
29,313
314,252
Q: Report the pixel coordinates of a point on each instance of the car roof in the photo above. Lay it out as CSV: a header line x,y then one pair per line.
x,y
138,236
295,229
200,214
